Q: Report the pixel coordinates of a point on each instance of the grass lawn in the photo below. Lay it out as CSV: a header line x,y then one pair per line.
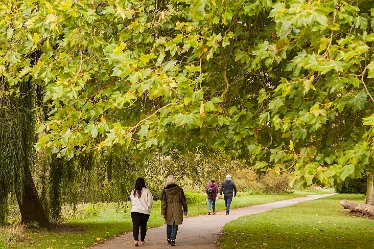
x,y
107,221
315,224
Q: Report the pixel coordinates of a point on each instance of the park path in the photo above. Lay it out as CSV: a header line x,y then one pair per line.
x,y
200,232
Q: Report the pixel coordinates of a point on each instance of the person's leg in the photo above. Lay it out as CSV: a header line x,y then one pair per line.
x,y
210,201
225,197
168,232
174,232
214,205
143,226
135,226
229,199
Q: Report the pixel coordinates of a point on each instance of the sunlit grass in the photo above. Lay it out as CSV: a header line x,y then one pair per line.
x,y
106,221
315,224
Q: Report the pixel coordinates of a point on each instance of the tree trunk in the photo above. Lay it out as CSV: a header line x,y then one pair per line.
x,y
3,204
370,189
29,204
358,207
27,196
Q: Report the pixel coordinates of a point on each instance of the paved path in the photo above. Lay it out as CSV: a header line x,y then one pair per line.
x,y
200,232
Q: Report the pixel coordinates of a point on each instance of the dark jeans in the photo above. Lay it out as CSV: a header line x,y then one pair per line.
x,y
171,231
139,220
228,200
212,205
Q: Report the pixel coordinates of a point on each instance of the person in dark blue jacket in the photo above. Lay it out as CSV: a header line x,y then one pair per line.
x,y
229,191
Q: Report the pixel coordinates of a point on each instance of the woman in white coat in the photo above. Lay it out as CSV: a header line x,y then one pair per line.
x,y
141,202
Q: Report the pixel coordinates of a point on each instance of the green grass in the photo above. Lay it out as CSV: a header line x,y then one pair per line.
x,y
315,224
109,221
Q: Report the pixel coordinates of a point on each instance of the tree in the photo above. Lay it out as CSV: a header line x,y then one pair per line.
x,y
286,85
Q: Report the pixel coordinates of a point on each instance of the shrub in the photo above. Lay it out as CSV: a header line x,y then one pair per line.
x,y
246,180
353,186
273,182
194,197
13,234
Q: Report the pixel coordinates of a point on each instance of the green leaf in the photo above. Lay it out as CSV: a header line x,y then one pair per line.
x,y
9,33
369,120
370,68
152,141
347,171
359,100
143,131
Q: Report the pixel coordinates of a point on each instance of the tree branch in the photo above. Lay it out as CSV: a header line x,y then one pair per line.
x,y
132,129
363,82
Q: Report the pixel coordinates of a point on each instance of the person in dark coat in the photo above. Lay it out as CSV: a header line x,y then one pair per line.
x,y
173,206
212,192
229,191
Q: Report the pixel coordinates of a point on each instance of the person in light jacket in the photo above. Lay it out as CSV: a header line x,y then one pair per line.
x,y
229,191
173,206
141,204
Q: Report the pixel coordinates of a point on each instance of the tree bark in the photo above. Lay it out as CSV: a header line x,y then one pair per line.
x,y
358,207
370,189
29,203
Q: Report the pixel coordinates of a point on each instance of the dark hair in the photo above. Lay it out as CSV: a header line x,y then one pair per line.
x,y
139,184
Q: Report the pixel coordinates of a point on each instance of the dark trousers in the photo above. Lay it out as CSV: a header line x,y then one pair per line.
x,y
228,200
139,220
171,232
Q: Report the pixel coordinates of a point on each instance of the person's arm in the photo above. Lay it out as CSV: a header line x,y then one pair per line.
x,y
235,191
184,203
163,204
220,192
149,199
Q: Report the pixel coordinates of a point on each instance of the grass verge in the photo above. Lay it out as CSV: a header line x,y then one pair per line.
x,y
107,220
315,224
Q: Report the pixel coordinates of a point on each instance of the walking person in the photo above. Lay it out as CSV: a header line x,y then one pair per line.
x,y
141,204
229,191
212,192
173,206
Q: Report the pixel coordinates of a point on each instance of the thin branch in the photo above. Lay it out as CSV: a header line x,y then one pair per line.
x,y
363,82
132,129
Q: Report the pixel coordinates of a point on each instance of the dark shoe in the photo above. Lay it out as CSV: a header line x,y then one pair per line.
x,y
214,213
208,213
169,241
172,243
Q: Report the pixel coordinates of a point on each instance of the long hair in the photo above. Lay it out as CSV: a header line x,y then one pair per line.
x,y
139,184
170,180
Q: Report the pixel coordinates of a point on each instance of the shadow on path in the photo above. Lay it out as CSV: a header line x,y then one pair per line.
x,y
200,232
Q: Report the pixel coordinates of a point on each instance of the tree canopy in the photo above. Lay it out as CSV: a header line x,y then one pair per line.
x,y
283,84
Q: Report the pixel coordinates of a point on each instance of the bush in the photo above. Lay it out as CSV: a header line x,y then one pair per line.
x,y
13,234
271,182
194,197
353,186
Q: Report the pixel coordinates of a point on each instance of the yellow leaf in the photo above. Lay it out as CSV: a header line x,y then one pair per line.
x,y
202,111
291,145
